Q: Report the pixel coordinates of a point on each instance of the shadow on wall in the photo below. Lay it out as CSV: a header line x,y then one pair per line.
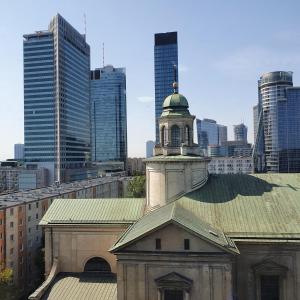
x,y
224,188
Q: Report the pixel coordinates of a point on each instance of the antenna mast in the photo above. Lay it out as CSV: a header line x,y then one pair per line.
x,y
103,54
84,20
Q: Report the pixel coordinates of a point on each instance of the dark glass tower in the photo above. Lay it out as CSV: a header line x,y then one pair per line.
x,y
57,99
108,112
165,57
277,128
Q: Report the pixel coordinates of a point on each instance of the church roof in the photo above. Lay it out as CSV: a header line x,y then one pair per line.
x,y
177,214
175,100
70,286
94,211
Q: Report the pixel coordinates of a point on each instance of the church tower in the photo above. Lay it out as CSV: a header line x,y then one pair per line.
x,y
176,167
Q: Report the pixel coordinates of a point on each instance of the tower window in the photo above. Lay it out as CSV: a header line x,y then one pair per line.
x,y
157,244
187,134
186,244
175,136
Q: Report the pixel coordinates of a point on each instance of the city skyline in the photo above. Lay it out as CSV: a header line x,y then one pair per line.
x,y
228,76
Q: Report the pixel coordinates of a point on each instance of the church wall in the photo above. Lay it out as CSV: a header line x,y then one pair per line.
x,y
211,275
73,246
282,255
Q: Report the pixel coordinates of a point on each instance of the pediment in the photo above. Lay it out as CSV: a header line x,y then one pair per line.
x,y
174,279
269,267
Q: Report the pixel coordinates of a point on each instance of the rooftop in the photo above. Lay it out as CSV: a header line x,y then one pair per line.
x,y
77,286
13,199
94,211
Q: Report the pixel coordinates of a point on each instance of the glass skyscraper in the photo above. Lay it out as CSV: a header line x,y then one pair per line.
x,y
165,58
240,132
210,134
277,128
108,111
56,99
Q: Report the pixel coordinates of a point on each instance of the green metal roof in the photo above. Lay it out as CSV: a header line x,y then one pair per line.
x,y
175,100
79,286
177,214
249,206
94,211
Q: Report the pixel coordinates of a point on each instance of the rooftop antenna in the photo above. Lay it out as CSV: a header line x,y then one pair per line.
x,y
103,54
175,83
84,20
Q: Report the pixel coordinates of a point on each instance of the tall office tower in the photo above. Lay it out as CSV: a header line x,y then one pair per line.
x,y
149,148
108,113
277,143
19,151
165,58
210,134
240,132
56,99
222,134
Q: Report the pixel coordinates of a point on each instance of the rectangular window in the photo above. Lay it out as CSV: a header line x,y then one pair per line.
x,y
11,250
11,224
157,244
29,206
29,218
37,204
186,244
173,295
11,211
37,216
0,221
269,286
11,237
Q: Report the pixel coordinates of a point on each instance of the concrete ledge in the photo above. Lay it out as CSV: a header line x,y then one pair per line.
x,y
40,291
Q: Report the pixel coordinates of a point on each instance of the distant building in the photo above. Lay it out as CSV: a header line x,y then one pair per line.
x,y
231,165
149,148
108,112
240,132
19,151
135,166
57,99
165,57
277,124
210,133
236,148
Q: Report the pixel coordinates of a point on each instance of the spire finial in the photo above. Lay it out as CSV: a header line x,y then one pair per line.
x,y
175,83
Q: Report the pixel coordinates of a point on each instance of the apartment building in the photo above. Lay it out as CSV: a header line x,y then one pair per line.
x,y
231,165
20,213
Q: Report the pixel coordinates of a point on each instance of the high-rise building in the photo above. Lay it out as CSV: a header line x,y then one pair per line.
x,y
57,99
149,148
19,151
277,124
165,58
240,132
108,114
210,134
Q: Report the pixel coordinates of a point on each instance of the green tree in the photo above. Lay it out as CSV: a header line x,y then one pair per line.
x,y
7,290
136,187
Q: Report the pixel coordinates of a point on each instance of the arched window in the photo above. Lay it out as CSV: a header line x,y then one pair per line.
x,y
97,264
163,136
175,136
187,134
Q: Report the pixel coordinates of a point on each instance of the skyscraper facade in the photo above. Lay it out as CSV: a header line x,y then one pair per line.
x,y
165,58
277,125
108,114
149,148
240,132
56,99
210,134
19,151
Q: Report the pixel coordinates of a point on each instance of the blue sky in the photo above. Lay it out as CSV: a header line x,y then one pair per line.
x,y
224,46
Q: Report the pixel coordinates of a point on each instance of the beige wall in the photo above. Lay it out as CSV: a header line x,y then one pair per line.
x,y
73,246
167,181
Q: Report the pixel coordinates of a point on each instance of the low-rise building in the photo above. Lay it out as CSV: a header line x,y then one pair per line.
x,y
20,213
135,166
231,165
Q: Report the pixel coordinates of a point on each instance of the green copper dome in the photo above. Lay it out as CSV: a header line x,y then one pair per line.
x,y
175,101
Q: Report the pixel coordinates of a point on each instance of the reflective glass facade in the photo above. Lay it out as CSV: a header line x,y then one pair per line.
x,y
278,124
108,111
56,99
165,57
240,132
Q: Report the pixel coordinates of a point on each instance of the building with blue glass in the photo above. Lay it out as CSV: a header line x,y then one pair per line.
x,y
277,124
57,100
108,114
210,134
165,58
240,132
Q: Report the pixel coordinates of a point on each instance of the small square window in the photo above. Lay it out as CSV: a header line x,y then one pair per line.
x,y
158,244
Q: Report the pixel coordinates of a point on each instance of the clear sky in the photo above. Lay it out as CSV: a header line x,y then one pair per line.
x,y
224,46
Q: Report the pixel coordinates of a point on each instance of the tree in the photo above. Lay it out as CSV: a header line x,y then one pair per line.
x,y
7,290
136,187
